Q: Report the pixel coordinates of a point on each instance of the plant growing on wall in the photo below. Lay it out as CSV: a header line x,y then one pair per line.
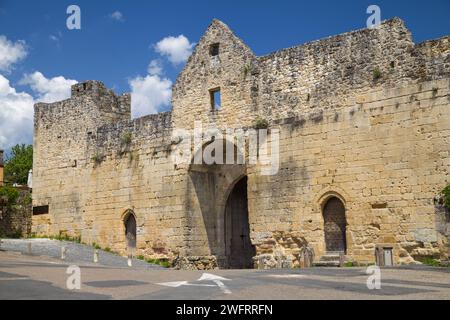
x,y
126,138
260,123
247,69
376,74
97,158
446,197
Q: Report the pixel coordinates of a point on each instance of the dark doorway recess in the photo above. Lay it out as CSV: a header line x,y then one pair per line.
x,y
239,249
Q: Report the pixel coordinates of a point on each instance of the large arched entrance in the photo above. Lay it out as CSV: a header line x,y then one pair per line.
x,y
335,225
238,246
130,230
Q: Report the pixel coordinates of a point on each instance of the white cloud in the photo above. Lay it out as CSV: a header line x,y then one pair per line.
x,y
11,52
117,15
56,37
16,115
149,94
177,49
155,67
48,90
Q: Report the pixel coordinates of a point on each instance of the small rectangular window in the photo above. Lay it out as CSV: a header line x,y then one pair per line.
x,y
37,211
216,99
214,50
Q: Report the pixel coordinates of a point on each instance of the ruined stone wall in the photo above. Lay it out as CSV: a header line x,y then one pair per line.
x,y
331,73
386,159
230,71
116,167
362,117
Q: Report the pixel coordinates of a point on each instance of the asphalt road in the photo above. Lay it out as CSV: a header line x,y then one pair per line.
x,y
40,277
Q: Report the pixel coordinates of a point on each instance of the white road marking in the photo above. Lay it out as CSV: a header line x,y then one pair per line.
x,y
217,280
177,284
205,277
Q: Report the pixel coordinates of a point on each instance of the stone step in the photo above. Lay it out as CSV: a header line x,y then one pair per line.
x,y
322,263
330,258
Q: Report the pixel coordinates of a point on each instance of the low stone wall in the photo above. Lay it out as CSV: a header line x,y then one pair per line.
x,y
15,220
196,263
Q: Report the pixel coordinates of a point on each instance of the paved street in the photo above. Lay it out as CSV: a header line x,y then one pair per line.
x,y
39,277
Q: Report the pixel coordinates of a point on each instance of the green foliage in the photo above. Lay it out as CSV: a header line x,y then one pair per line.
x,y
247,69
8,196
96,246
126,138
159,262
430,262
376,74
162,263
18,164
260,123
27,199
349,264
61,237
446,197
97,158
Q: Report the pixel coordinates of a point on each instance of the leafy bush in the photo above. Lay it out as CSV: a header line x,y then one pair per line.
x,y
8,196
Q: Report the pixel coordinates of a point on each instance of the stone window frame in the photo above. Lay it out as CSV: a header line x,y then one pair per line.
x,y
212,93
214,49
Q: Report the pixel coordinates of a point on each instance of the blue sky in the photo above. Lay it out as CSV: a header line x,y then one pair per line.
x,y
118,49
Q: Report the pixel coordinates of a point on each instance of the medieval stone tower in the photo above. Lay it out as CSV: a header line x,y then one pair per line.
x,y
363,126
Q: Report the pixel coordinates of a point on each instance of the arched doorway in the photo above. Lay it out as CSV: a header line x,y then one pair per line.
x,y
335,225
238,247
130,230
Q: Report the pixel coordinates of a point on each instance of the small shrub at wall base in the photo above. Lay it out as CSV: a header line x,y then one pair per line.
x,y
162,263
429,261
349,264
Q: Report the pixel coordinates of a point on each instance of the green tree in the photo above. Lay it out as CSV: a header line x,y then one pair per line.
x,y
18,163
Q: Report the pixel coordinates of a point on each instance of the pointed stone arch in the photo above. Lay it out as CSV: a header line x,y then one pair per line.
x,y
332,204
130,228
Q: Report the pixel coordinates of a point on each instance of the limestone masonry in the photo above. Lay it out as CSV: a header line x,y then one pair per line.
x,y
364,151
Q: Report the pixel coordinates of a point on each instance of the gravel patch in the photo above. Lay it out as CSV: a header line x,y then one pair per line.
x,y
75,253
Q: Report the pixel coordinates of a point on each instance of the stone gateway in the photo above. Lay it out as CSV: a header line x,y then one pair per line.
x,y
363,128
